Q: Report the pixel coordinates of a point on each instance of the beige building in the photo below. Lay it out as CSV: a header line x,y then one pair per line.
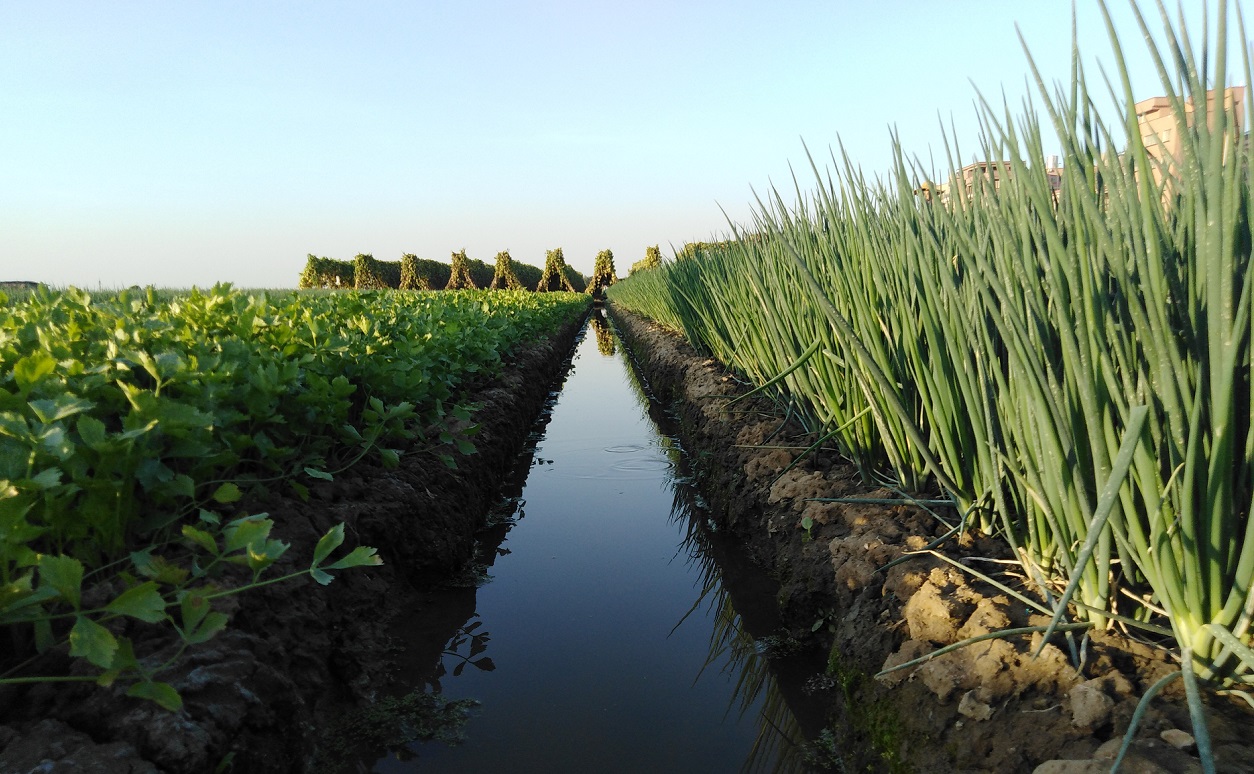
x,y
991,172
1160,132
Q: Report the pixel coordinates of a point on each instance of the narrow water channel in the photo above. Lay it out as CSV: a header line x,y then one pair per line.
x,y
613,631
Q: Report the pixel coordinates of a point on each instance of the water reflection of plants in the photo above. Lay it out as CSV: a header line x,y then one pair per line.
x,y
444,635
606,343
780,744
475,642
667,443
394,724
644,398
445,639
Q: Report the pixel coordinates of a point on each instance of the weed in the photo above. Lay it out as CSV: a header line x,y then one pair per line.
x,y
873,718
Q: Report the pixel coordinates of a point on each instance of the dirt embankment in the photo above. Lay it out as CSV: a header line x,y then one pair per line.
x,y
989,707
295,655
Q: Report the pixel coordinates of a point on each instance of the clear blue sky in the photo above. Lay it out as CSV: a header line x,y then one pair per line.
x,y
181,143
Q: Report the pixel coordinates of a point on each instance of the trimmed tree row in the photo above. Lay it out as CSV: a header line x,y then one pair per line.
x,y
364,272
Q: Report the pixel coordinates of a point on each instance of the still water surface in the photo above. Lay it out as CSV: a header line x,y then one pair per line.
x,y
621,634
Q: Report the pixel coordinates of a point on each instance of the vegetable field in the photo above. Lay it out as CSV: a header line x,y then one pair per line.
x,y
132,425
1070,366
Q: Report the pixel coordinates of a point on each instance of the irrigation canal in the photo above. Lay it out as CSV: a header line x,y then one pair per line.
x,y
620,633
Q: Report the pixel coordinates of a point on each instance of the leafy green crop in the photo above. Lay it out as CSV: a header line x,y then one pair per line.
x,y
123,419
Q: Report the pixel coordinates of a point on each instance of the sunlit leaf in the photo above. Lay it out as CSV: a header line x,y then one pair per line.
x,y
193,608
91,430
32,368
332,540
208,628
143,602
64,405
64,574
244,532
47,478
201,538
123,660
263,554
361,556
93,642
227,493
163,694
16,589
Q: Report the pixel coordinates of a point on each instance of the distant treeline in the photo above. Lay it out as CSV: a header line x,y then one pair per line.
x,y
414,273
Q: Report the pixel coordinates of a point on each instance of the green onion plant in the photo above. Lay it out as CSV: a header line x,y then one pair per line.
x,y
1065,353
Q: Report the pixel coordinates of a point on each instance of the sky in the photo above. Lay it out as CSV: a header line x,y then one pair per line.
x,y
189,143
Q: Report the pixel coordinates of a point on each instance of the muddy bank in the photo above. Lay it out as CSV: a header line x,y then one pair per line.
x,y
295,655
989,707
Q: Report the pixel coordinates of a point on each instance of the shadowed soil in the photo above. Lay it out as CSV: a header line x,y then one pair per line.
x,y
988,707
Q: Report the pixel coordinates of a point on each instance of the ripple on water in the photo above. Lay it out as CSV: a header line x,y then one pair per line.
x,y
642,465
649,464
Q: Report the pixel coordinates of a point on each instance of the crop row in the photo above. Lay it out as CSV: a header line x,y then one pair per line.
x,y
1071,365
126,421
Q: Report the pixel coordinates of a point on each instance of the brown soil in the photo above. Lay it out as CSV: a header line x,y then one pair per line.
x,y
295,655
989,707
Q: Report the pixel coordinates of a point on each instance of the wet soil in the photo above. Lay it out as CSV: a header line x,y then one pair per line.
x,y
988,707
296,656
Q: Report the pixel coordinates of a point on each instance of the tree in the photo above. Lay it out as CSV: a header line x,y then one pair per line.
x,y
459,276
602,274
554,277
371,274
505,278
651,260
